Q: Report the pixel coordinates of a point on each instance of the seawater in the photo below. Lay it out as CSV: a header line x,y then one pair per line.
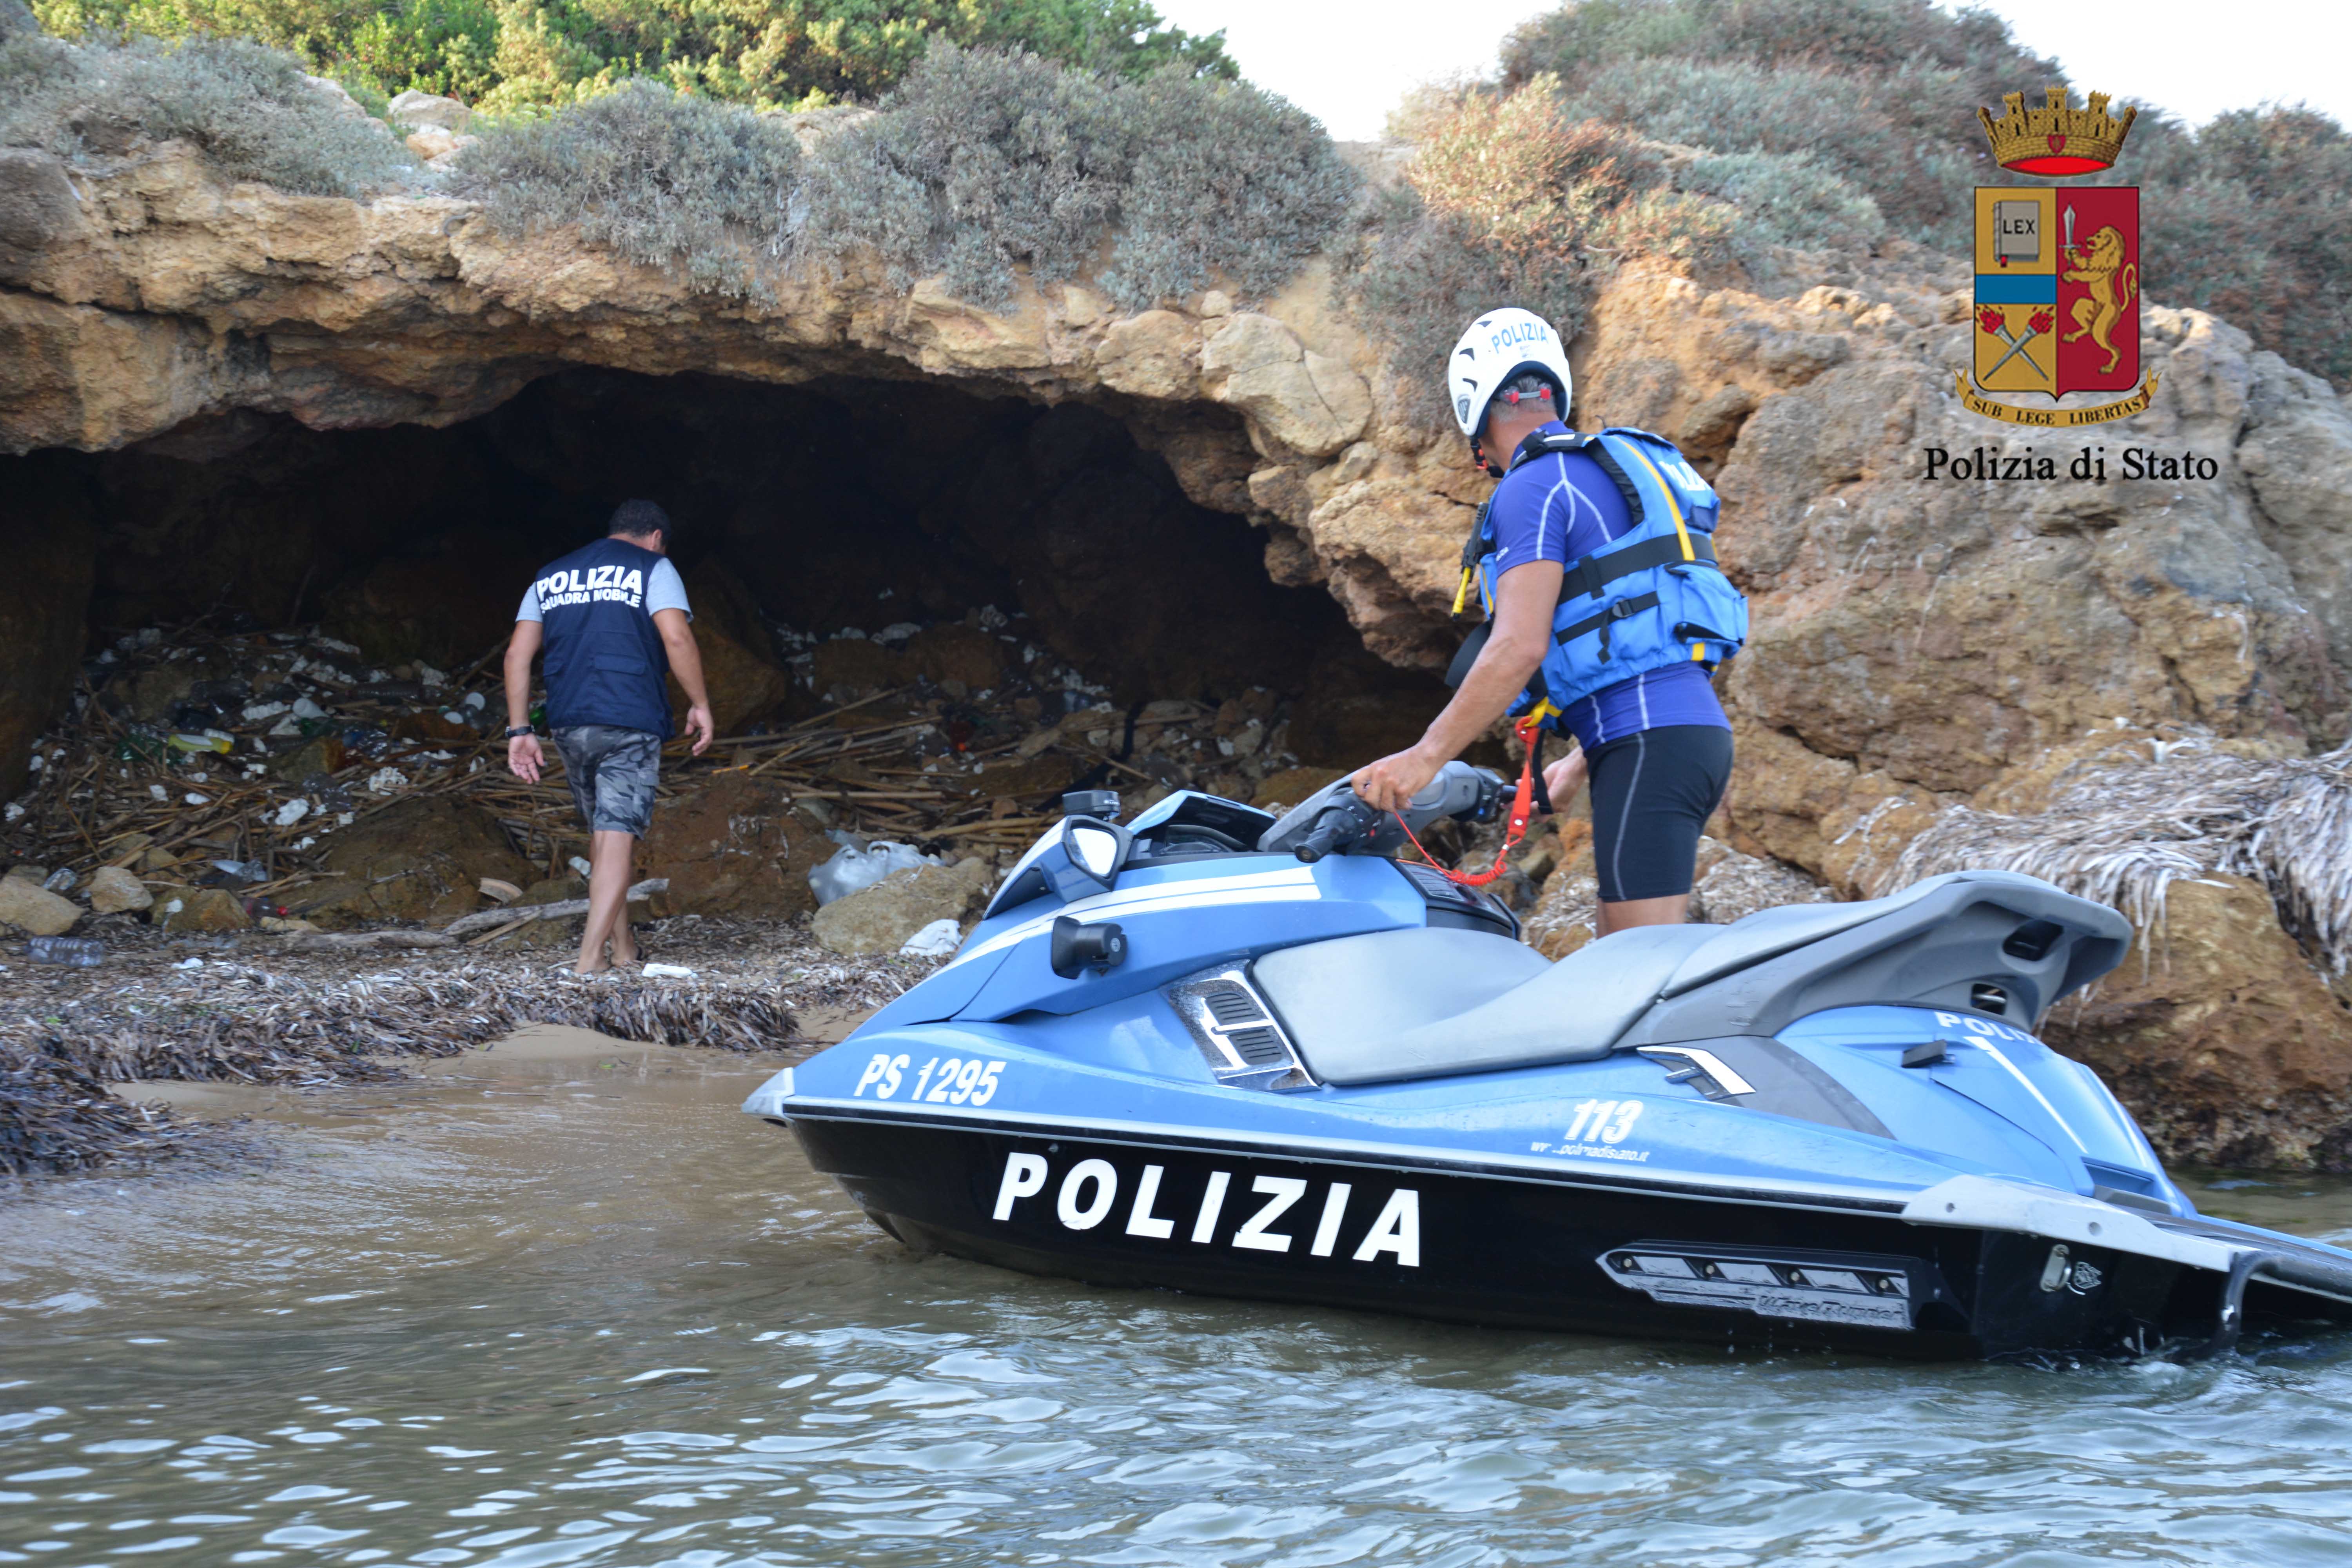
x,y
566,1307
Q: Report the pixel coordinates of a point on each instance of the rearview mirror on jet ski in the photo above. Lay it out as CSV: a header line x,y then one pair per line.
x,y
1092,854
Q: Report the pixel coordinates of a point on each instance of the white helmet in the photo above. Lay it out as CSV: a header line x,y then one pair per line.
x,y
1498,346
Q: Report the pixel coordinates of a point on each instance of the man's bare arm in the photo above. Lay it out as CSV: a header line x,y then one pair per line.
x,y
1525,601
523,754
685,664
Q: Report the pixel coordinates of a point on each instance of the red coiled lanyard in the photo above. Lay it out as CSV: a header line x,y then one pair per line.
x,y
1522,811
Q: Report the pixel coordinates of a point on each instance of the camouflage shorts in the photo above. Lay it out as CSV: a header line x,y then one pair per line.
x,y
612,772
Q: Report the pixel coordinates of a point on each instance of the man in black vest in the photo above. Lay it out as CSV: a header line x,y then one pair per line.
x,y
614,621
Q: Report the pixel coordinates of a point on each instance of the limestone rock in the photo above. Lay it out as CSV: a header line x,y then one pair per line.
x,y
2220,1037
419,860
199,910
954,652
32,909
335,93
733,847
114,891
1307,401
38,206
741,683
1155,354
2298,454
883,917
319,755
416,109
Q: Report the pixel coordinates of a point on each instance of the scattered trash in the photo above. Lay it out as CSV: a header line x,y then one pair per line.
x,y
187,962
937,940
938,743
671,971
853,870
500,889
77,952
60,880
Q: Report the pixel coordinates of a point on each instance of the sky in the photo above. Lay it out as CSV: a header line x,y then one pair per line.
x,y
1348,62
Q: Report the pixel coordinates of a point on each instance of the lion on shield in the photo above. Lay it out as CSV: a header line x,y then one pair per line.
x,y
2113,285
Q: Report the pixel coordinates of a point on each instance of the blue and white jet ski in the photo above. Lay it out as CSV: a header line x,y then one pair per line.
x,y
1217,1052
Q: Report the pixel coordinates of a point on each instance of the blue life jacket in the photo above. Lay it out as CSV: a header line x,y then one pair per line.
x,y
605,662
1655,597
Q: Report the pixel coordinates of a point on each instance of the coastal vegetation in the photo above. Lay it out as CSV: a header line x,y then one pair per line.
x,y
1030,133
511,55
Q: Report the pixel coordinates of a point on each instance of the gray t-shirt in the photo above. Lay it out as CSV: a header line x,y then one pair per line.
x,y
665,590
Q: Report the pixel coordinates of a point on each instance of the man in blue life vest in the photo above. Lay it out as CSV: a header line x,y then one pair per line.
x,y
1607,615
614,620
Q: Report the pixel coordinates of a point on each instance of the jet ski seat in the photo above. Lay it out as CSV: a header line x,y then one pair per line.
x,y
1424,1002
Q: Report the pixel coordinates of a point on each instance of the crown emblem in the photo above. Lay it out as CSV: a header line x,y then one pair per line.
x,y
2054,138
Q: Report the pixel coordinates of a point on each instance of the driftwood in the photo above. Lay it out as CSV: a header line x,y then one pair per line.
x,y
496,922
329,941
522,915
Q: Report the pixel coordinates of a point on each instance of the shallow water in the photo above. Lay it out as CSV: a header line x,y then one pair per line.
x,y
565,1309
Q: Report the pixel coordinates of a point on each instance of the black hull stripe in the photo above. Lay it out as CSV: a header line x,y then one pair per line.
x,y
1379,1157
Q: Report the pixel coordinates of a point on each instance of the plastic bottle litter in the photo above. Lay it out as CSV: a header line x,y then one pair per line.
x,y
76,952
668,971
937,940
853,870
60,880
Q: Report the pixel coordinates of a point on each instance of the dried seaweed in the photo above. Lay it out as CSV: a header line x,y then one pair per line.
x,y
301,1019
2121,834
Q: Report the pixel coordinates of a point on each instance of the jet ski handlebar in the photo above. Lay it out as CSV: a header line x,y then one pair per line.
x,y
1333,821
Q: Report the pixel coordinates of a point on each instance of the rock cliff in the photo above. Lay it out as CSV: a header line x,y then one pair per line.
x,y
1924,636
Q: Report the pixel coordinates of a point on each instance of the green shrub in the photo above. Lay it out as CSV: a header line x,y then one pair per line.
x,y
1228,183
2261,232
1415,277
1740,108
662,179
247,107
511,54
1510,202
981,161
1786,198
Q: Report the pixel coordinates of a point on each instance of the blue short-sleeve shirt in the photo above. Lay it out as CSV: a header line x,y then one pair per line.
x,y
1563,506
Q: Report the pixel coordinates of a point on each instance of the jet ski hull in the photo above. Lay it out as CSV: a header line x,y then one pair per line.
x,y
1446,1239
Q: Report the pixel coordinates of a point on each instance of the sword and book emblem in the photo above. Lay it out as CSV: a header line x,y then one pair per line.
x,y
2057,271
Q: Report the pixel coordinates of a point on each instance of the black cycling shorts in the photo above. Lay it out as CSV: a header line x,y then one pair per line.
x,y
1652,794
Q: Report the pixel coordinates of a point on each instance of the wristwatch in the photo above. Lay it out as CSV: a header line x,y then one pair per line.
x,y
520,729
